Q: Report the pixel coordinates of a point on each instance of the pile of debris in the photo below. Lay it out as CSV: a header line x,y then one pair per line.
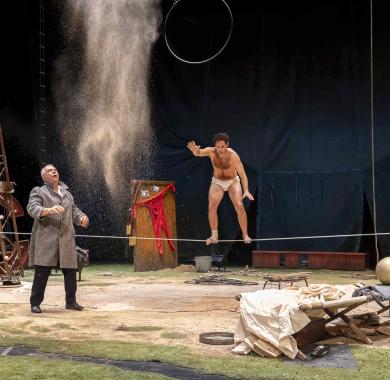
x,y
219,279
361,276
250,272
368,323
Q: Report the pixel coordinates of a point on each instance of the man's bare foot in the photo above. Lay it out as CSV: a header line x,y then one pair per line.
x,y
247,239
212,240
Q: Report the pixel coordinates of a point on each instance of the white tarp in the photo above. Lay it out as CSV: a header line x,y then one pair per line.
x,y
273,315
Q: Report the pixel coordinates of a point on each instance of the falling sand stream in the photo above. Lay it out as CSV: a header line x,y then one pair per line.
x,y
107,102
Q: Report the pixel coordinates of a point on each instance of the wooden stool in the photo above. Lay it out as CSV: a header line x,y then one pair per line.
x,y
274,278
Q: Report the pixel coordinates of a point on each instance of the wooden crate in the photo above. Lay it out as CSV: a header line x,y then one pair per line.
x,y
291,260
337,260
265,260
146,255
315,260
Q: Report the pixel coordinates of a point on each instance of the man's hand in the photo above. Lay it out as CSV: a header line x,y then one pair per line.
x,y
248,195
55,210
84,221
51,210
193,148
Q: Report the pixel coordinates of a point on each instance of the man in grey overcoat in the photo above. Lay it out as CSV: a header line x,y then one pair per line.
x,y
53,238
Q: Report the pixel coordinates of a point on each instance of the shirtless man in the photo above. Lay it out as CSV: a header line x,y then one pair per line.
x,y
229,175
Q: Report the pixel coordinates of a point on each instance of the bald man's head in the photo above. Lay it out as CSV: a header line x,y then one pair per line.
x,y
49,173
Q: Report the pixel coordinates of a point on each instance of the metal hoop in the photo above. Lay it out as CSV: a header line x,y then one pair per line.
x,y
176,2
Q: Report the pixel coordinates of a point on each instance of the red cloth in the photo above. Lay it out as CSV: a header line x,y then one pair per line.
x,y
156,208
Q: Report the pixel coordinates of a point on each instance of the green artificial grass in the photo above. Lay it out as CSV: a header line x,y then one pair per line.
x,y
62,326
173,335
40,329
139,328
374,363
33,368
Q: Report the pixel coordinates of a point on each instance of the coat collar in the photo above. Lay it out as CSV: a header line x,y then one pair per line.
x,y
61,185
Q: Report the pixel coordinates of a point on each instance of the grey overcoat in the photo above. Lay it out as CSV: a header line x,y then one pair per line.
x,y
52,236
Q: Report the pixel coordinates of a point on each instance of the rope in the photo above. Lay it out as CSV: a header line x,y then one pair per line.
x,y
219,241
372,130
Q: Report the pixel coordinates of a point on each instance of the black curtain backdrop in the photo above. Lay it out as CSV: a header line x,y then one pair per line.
x,y
292,90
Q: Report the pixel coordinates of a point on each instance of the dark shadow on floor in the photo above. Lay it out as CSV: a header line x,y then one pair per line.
x,y
130,365
339,356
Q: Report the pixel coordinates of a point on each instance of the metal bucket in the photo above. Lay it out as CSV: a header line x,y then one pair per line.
x,y
203,263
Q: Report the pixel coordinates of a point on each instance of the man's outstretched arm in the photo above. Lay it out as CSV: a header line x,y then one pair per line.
x,y
197,151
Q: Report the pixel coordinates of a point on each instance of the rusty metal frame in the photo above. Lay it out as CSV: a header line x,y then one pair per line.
x,y
11,265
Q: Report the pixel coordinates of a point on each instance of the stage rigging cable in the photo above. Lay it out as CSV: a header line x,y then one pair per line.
x,y
372,129
219,241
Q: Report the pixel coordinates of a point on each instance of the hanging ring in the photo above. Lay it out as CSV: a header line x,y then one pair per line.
x,y
175,3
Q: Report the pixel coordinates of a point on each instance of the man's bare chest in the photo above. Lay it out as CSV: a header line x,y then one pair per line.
x,y
222,162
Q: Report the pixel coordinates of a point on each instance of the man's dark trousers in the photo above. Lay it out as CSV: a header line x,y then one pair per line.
x,y
41,277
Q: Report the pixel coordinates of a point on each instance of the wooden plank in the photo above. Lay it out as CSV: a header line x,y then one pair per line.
x,y
265,259
291,260
316,260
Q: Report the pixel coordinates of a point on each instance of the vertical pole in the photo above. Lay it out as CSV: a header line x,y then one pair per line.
x,y
42,82
373,130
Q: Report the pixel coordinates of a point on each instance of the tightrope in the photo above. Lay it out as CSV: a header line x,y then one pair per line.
x,y
203,240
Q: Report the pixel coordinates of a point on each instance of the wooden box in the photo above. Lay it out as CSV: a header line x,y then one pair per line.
x,y
265,260
314,260
148,256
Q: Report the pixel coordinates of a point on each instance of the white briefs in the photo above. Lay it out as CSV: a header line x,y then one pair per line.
x,y
225,183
